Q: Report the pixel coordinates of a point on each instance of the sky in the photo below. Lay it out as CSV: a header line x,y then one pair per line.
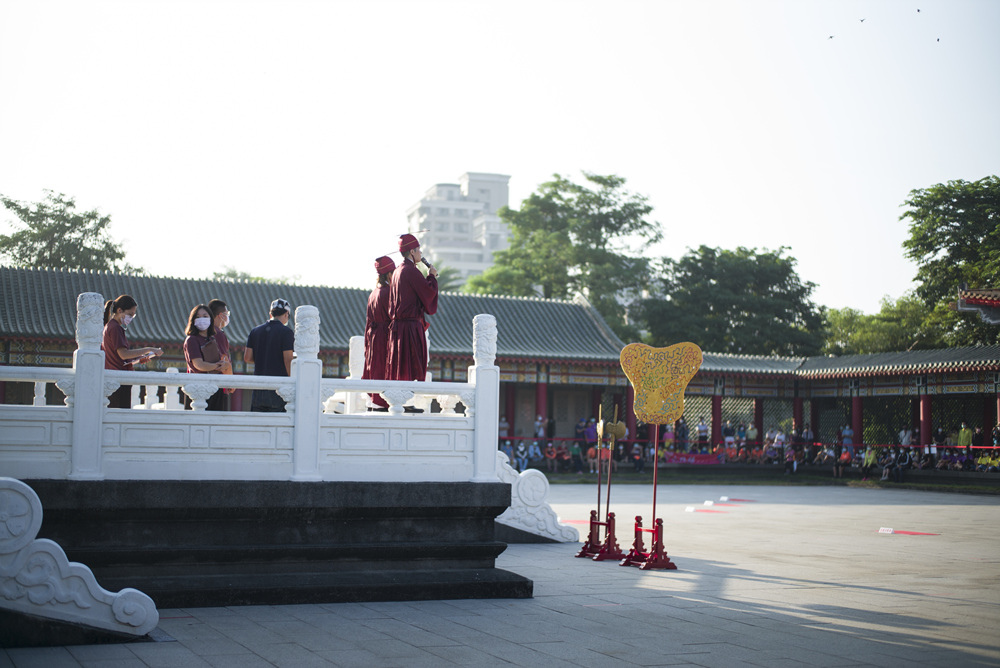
x,y
288,138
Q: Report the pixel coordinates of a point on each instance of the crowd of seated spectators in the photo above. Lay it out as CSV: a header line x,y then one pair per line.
x,y
960,450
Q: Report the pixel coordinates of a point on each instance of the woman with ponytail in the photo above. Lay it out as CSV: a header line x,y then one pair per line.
x,y
118,313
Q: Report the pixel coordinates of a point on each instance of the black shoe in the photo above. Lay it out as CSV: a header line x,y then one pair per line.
x,y
411,409
378,409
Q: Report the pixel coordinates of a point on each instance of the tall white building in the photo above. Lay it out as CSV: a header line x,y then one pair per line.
x,y
457,223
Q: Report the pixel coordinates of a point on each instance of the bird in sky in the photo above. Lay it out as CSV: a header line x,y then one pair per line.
x,y
830,37
862,20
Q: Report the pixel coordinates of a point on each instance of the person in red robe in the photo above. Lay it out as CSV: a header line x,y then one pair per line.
x,y
377,329
411,295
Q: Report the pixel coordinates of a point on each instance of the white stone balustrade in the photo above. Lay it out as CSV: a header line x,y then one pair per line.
x,y
86,440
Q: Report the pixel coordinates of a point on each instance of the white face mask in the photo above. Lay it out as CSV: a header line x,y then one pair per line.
x,y
126,319
202,323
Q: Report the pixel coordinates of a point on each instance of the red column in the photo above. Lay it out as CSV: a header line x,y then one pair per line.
x,y
542,400
510,409
758,418
630,411
716,419
814,420
926,437
858,420
797,412
988,417
998,409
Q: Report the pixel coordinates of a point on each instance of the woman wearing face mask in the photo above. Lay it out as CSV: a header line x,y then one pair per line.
x,y
201,350
220,319
118,313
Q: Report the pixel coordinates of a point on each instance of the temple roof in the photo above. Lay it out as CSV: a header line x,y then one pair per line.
x,y
40,304
725,363
985,302
985,297
907,362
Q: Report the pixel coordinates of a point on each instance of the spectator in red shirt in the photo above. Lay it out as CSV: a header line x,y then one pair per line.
x,y
118,356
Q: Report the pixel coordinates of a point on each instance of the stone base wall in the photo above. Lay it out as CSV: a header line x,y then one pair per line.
x,y
216,543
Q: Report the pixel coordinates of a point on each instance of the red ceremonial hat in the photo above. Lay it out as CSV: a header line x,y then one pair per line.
x,y
384,265
407,242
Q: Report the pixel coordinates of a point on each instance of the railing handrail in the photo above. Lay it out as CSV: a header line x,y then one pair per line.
x,y
238,381
28,374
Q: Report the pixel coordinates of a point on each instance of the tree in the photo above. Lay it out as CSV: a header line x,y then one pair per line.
x,y
234,274
734,301
954,238
569,238
903,324
449,279
55,234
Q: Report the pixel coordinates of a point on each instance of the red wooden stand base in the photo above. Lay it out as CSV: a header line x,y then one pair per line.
x,y
593,547
656,557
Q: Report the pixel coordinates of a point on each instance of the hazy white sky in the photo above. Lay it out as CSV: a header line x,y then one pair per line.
x,y
287,138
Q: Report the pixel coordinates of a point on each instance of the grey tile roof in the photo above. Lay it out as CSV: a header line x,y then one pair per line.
x,y
41,304
914,361
749,364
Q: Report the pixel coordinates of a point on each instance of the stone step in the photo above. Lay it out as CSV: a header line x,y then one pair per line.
x,y
202,590
255,558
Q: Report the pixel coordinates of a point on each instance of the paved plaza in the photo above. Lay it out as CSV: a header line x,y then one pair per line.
x,y
776,576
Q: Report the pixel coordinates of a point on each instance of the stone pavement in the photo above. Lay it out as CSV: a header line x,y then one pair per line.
x,y
782,576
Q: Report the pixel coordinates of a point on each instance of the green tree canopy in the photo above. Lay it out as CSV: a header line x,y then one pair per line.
x,y
734,301
569,238
955,239
54,234
449,279
234,274
899,325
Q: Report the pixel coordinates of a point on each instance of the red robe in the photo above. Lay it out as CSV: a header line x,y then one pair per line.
x,y
410,297
377,338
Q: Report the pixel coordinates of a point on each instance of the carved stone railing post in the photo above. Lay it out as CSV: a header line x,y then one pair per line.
x,y
171,399
39,399
89,399
484,407
354,402
200,392
307,374
152,396
396,398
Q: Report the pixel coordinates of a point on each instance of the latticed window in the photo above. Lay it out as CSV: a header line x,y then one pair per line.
x,y
833,414
737,410
884,417
778,413
950,412
695,408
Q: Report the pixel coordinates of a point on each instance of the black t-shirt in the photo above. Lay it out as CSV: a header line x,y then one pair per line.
x,y
269,342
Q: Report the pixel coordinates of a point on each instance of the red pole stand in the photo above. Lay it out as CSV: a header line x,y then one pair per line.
x,y
637,554
592,546
610,549
656,558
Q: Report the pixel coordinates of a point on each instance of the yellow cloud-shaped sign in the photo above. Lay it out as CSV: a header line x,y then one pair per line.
x,y
660,376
